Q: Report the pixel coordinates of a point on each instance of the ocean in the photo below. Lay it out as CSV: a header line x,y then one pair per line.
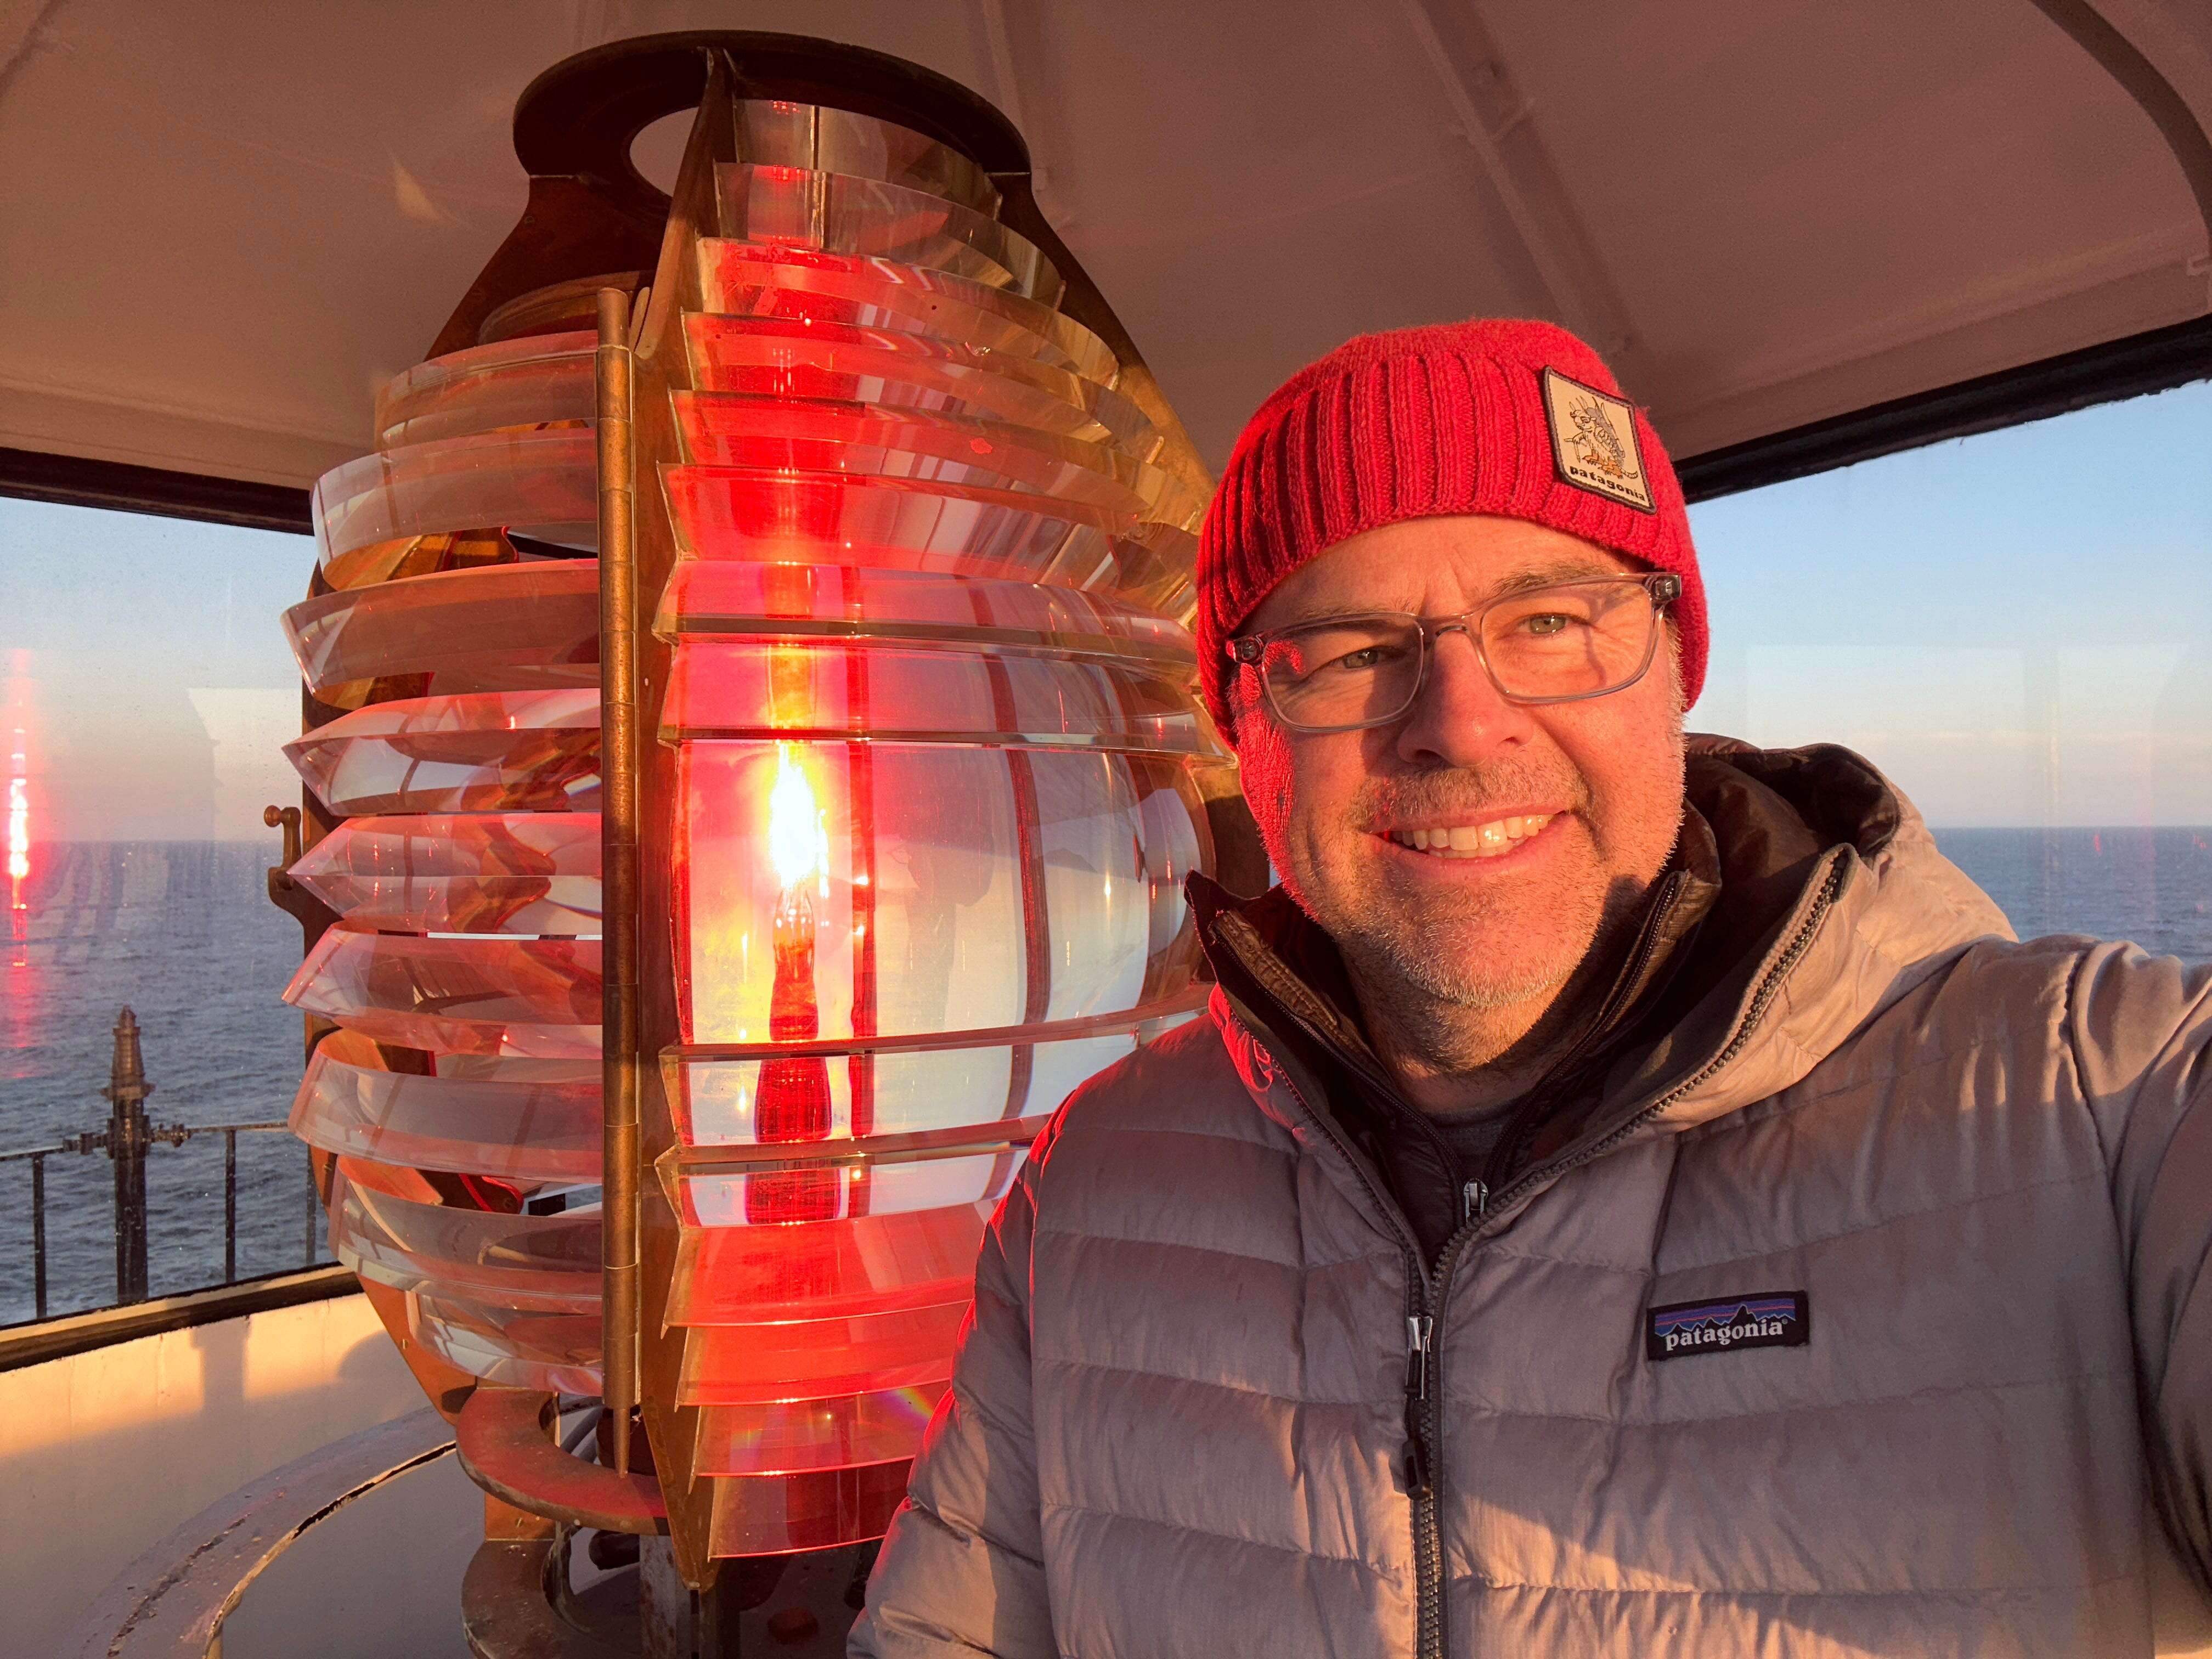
x,y
2152,886
183,934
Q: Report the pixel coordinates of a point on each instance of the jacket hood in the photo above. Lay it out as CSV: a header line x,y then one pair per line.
x,y
1842,904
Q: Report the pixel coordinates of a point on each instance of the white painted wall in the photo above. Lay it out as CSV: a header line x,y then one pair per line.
x,y
104,1453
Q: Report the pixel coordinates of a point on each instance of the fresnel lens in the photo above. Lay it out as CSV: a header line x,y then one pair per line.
x,y
918,777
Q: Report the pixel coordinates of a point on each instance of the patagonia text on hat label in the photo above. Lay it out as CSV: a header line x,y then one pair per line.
x,y
1594,443
1771,1319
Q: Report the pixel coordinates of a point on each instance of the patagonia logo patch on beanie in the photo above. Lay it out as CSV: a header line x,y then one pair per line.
x,y
1594,441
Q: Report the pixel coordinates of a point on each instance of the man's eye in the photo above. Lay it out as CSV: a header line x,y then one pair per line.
x,y
1337,655
1546,623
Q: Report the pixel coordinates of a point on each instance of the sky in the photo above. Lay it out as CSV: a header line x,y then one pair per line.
x,y
2016,626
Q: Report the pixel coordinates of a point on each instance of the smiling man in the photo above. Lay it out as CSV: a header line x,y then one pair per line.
x,y
1629,1195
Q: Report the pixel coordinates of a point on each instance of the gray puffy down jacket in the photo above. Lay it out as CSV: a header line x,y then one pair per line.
x,y
1875,1320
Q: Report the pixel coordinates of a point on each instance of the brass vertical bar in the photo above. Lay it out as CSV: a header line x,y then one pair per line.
x,y
618,832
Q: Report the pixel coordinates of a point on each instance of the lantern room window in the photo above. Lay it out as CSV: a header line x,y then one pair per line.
x,y
144,702
2017,628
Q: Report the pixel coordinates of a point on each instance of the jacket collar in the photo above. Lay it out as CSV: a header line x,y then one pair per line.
x,y
1875,914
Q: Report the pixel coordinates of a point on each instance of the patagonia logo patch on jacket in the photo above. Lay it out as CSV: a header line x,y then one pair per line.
x,y
1770,1319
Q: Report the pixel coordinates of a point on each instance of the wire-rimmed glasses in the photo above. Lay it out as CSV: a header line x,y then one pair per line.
x,y
1561,642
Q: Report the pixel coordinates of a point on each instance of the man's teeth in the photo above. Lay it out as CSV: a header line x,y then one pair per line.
x,y
1473,841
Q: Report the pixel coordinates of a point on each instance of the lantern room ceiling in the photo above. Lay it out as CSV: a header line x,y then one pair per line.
x,y
224,222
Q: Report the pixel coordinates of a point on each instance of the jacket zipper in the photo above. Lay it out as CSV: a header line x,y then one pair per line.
x,y
1420,1333
1428,1428
1420,1350
1425,1413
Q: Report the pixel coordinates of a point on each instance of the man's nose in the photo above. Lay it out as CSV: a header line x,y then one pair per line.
x,y
1460,717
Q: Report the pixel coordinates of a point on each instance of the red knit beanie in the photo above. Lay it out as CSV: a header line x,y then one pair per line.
x,y
1519,419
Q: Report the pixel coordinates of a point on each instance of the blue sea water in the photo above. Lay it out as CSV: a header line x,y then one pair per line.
x,y
183,934
2151,886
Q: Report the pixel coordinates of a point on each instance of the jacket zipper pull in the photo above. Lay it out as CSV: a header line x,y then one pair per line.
x,y
1474,1199
1419,1329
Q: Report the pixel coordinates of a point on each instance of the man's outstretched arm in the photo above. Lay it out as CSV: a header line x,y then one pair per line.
x,y
962,1571
2142,1035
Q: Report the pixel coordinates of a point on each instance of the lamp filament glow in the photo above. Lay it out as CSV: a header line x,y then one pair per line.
x,y
798,842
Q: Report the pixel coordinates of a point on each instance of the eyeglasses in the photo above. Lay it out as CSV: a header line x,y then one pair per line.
x,y
1558,643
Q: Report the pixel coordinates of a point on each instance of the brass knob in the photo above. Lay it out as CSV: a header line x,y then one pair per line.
x,y
287,817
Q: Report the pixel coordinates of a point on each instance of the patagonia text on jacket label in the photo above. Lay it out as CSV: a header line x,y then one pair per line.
x,y
1770,1319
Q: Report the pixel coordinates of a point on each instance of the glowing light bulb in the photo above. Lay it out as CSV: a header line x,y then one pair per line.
x,y
796,841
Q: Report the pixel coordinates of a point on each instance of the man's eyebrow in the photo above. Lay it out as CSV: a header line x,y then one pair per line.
x,y
1569,569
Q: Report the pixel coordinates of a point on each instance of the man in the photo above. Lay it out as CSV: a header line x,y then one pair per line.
x,y
1631,1195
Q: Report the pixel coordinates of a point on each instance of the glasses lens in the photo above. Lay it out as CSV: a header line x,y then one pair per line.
x,y
1348,670
1574,640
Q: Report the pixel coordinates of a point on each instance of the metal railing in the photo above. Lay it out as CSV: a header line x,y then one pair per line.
x,y
128,1136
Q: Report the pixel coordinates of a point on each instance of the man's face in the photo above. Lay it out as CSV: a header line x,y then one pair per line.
x,y
1338,810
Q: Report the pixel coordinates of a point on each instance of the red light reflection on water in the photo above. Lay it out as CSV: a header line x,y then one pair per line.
x,y
19,841
18,709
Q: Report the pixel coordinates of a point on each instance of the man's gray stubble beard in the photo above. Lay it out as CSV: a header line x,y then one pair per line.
x,y
1392,957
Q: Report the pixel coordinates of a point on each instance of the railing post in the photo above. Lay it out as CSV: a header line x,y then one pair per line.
x,y
127,1138
39,1229
314,1208
230,1207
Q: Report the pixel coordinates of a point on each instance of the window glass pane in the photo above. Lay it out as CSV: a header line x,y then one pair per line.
x,y
2017,628
145,693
